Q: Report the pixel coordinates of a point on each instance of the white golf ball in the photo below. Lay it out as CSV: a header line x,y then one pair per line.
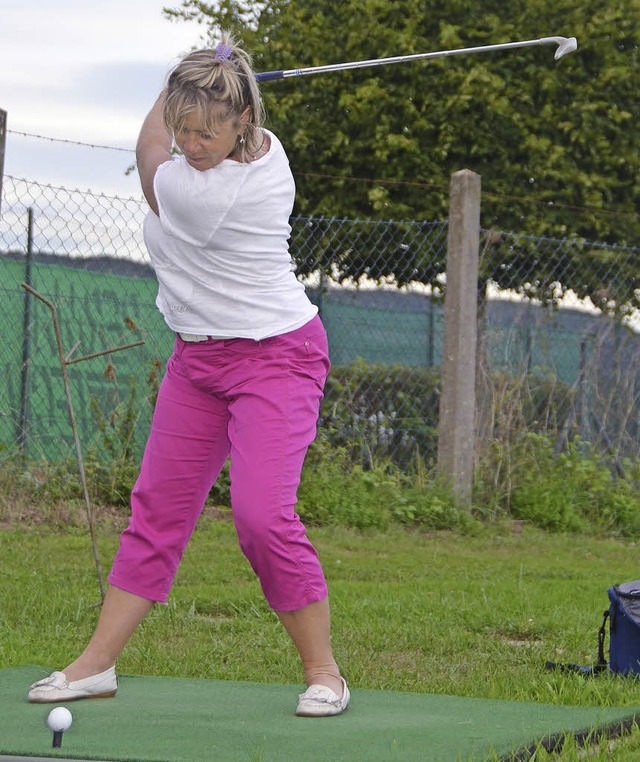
x,y
59,719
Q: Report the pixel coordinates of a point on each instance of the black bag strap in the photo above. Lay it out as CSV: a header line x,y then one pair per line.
x,y
602,663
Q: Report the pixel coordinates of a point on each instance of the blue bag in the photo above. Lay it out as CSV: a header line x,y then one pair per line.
x,y
623,616
624,628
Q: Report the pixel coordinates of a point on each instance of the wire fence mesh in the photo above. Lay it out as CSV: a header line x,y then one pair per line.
x,y
559,351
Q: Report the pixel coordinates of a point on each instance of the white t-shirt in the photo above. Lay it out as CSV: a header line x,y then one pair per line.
x,y
219,248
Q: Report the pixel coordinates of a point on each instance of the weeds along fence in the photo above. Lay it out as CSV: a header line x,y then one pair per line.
x,y
559,353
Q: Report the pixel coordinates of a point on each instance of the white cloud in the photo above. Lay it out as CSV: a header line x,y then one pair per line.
x,y
83,70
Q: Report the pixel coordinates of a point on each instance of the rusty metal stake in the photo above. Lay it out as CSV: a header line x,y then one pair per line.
x,y
64,361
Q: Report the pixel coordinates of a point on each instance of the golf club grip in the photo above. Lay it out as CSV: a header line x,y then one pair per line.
x,y
265,76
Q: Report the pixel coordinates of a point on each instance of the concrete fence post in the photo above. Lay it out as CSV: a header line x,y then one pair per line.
x,y
456,428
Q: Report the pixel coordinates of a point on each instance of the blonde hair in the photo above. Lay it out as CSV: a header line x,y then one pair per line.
x,y
219,84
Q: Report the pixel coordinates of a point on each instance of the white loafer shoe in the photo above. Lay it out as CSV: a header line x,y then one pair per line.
x,y
320,701
57,688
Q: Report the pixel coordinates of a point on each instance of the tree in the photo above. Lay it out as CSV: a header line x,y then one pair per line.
x,y
556,144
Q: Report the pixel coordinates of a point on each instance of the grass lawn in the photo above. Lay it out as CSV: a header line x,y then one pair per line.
x,y
468,615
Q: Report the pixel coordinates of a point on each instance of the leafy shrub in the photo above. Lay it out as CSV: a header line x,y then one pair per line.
x,y
112,463
334,491
381,412
573,491
431,506
373,462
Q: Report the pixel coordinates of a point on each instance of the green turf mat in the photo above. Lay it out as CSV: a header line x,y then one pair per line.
x,y
157,719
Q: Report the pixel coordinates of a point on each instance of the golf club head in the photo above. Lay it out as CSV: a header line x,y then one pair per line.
x,y
565,45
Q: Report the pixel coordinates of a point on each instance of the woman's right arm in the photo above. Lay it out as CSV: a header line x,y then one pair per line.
x,y
152,150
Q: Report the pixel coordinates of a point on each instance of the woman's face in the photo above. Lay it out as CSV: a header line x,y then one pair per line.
x,y
202,149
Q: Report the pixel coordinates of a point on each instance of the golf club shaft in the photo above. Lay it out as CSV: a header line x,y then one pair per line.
x,y
283,74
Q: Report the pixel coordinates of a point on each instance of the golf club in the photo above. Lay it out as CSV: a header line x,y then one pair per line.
x,y
564,45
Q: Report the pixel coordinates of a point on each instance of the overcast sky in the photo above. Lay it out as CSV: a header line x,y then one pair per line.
x,y
86,71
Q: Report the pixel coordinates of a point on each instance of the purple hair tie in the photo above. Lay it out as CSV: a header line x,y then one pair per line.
x,y
223,51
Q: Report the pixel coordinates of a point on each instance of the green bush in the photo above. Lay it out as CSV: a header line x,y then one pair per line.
x,y
373,462
575,490
112,462
382,413
334,491
431,506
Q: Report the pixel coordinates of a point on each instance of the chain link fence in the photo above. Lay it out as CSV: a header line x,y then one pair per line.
x,y
559,351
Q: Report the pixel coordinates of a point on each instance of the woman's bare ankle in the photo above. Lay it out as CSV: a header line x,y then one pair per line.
x,y
86,667
329,680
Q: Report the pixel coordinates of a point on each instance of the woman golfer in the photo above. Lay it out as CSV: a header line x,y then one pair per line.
x,y
244,382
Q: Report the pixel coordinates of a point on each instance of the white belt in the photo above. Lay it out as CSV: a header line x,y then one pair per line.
x,y
193,337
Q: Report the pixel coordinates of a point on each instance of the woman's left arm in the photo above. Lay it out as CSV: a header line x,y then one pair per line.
x,y
152,150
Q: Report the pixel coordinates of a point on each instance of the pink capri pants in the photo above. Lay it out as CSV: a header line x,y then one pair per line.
x,y
256,402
